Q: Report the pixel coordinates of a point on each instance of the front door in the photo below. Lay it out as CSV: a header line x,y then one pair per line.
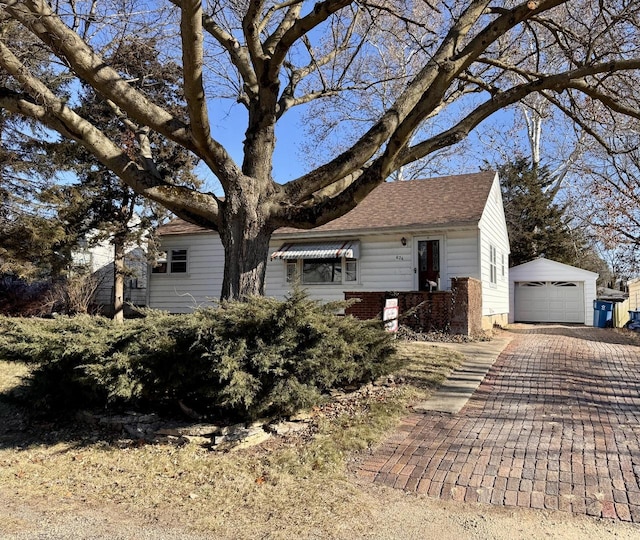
x,y
428,268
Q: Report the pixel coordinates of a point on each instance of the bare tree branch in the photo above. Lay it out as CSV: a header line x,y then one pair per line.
x,y
558,82
288,99
321,12
238,54
192,57
579,121
68,45
457,64
50,29
610,102
55,114
250,26
420,98
292,15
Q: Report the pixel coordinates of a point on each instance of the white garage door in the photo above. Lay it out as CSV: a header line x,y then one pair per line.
x,y
549,301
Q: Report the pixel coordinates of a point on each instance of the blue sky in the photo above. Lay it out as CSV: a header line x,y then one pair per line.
x,y
498,139
228,126
229,123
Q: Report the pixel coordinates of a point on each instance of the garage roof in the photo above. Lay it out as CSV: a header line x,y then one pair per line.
x,y
547,270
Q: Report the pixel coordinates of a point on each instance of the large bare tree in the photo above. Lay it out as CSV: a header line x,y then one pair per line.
x,y
463,61
611,209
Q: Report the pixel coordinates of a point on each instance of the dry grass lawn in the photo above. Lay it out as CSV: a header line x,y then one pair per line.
x,y
298,485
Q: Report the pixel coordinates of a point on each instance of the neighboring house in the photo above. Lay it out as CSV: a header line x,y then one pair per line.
x,y
634,294
98,259
612,295
405,236
548,291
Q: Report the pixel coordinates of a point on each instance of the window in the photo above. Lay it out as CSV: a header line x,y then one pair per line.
x,y
292,271
350,270
172,262
503,266
493,270
178,261
320,271
135,283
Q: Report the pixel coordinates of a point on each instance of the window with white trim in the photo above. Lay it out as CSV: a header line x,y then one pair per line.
x,y
291,266
493,269
173,261
322,271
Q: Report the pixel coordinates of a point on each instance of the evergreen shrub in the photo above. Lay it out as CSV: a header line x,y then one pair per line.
x,y
241,360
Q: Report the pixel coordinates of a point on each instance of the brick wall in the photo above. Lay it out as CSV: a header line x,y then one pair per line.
x,y
369,306
425,311
466,316
458,311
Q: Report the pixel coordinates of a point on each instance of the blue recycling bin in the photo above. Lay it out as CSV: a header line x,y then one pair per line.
x,y
602,313
634,320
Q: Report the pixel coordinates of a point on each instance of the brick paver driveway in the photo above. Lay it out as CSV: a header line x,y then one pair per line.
x,y
555,425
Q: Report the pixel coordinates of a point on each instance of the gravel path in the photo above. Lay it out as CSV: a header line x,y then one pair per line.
x,y
390,515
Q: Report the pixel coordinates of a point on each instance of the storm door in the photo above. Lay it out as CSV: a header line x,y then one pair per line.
x,y
428,264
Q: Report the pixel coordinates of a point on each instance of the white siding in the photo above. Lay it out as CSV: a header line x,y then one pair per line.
x,y
136,262
386,265
182,293
462,254
590,294
634,294
493,232
98,259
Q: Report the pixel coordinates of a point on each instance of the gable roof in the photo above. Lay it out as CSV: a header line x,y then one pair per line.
x,y
547,270
180,226
446,201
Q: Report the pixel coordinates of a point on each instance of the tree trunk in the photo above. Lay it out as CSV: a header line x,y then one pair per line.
x,y
245,236
118,280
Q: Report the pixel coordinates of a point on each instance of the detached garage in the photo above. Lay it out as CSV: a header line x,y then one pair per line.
x,y
551,292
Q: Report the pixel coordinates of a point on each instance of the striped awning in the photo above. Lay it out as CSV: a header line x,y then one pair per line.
x,y
324,250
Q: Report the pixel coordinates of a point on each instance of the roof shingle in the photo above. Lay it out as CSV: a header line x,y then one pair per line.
x,y
180,226
437,202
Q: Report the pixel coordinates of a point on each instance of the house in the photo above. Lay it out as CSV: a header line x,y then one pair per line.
x,y
548,291
634,294
98,260
412,236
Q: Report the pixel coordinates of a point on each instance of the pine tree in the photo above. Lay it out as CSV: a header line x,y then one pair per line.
x,y
537,225
34,245
99,205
